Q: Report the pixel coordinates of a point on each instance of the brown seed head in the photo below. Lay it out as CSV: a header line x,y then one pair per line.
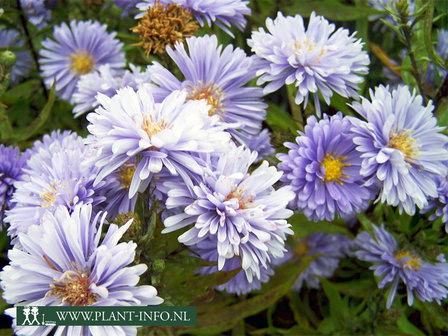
x,y
164,25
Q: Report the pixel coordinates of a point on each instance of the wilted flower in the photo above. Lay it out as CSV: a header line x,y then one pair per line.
x,y
242,212
323,169
106,81
36,12
163,26
77,50
239,284
222,12
318,59
401,146
55,174
217,76
394,264
24,62
11,164
63,263
166,134
331,247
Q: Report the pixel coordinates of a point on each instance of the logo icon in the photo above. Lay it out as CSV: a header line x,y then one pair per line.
x,y
34,311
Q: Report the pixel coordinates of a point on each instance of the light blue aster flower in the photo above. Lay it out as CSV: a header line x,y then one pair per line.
x,y
76,50
65,262
106,81
128,6
11,165
166,134
317,59
402,148
393,264
36,12
242,212
323,169
222,12
217,76
239,284
56,174
332,247
24,62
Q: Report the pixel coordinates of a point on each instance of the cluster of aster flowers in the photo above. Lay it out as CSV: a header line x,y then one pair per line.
x,y
186,133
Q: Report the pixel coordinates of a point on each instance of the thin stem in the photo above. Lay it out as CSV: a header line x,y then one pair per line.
x,y
30,43
415,72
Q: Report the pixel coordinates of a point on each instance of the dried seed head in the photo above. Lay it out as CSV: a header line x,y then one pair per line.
x,y
164,25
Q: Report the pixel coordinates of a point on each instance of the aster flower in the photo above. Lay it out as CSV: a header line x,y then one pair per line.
x,y
116,189
128,6
440,204
401,147
11,164
222,12
318,59
36,12
165,134
56,174
323,169
384,5
106,81
242,212
260,143
239,284
76,50
164,25
24,62
393,264
217,76
81,271
333,247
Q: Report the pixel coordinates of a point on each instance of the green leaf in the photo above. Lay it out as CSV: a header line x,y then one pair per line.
x,y
407,327
302,226
428,35
278,117
331,9
40,120
215,322
355,288
338,307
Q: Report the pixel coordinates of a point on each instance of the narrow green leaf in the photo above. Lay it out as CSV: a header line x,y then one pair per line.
x,y
331,9
407,327
40,120
428,35
215,322
278,117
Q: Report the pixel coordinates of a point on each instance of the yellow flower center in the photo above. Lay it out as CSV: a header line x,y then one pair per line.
x,y
48,197
126,173
82,62
212,94
74,289
405,143
334,168
243,203
301,248
308,46
151,127
413,261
